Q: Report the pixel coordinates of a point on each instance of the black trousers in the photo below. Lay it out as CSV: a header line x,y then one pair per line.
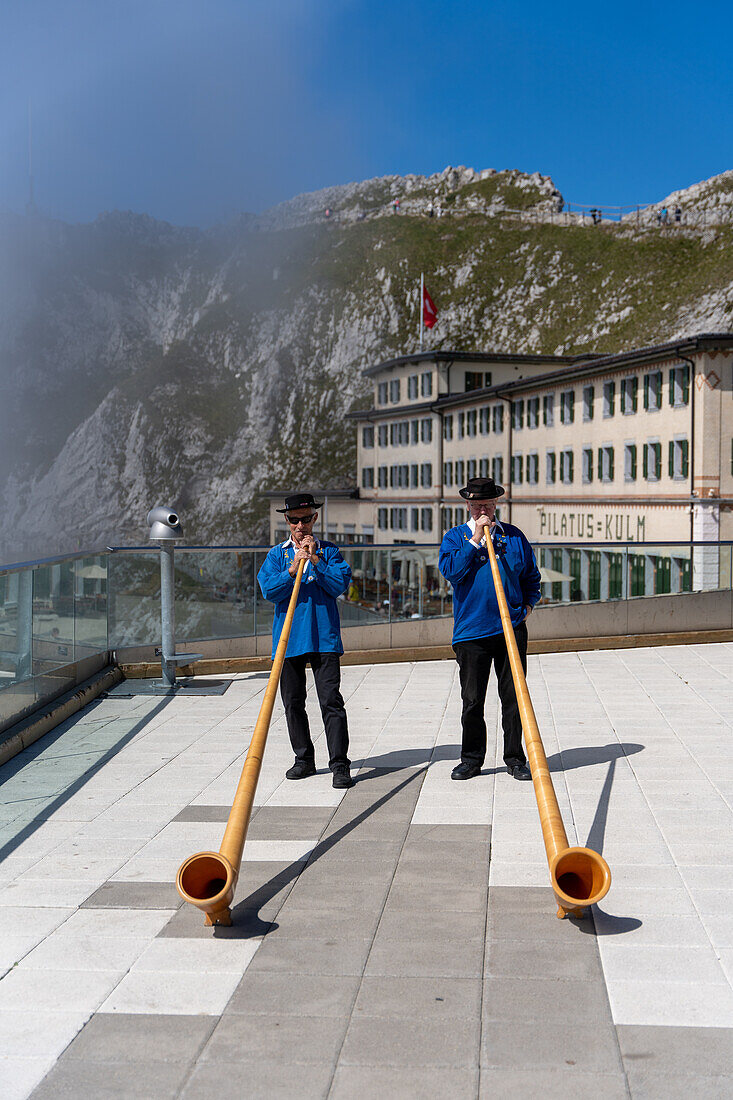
x,y
474,663
327,674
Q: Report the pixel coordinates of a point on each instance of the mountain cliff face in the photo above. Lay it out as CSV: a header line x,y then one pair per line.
x,y
144,363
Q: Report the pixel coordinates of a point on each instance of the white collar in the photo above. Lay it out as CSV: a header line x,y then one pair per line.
x,y
471,523
289,542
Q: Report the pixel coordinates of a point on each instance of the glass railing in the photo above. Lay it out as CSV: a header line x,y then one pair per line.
x,y
54,613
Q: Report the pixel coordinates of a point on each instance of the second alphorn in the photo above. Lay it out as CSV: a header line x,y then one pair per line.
x,y
579,876
207,879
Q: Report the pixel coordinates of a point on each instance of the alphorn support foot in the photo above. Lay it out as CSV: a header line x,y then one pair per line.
x,y
222,917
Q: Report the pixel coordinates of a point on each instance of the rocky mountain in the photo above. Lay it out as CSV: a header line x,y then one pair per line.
x,y
142,362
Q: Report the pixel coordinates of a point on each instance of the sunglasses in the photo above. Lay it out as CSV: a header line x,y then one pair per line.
x,y
295,520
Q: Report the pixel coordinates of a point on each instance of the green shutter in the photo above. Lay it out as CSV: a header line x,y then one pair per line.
x,y
647,384
657,460
645,462
685,458
572,406
610,464
671,385
670,452
633,462
686,384
634,393
571,459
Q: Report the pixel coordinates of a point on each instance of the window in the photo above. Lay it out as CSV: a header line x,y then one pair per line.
x,y
485,420
637,570
394,434
629,393
550,468
533,468
498,419
484,468
382,477
497,468
630,462
382,519
517,469
461,425
394,391
652,461
414,479
460,468
382,391
448,473
653,391
679,463
448,426
398,519
567,407
615,576
589,393
426,519
383,435
471,422
415,518
566,467
517,415
367,436
415,431
471,468
679,385
447,518
594,574
548,410
367,477
587,465
412,387
605,463
426,475
426,430
533,412
426,384
609,398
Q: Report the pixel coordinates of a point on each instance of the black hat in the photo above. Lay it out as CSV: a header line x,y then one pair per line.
x,y
299,500
481,488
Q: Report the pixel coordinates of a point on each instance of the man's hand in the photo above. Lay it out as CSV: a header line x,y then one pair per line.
x,y
301,554
309,544
481,522
528,611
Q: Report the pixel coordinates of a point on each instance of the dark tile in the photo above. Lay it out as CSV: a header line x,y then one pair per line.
x,y
134,895
295,1039
311,955
289,822
397,1083
454,834
527,998
408,1042
354,895
426,958
522,899
420,998
551,1044
261,1081
268,994
661,1086
123,1037
448,927
293,922
550,1084
552,960
204,813
190,923
532,926
75,1078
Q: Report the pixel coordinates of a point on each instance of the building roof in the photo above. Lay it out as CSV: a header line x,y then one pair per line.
x,y
473,357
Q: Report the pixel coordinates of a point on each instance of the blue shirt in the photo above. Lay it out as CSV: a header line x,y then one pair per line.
x,y
316,626
467,567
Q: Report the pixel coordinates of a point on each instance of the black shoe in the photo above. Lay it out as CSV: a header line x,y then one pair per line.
x,y
519,771
342,777
301,769
465,771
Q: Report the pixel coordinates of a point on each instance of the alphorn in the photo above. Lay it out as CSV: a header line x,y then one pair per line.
x,y
208,879
579,876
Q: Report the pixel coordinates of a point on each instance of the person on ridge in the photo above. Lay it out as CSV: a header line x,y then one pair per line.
x,y
478,638
315,636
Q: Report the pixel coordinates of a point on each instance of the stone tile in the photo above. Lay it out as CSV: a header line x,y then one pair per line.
x,y
19,1075
541,927
553,960
419,998
189,923
398,1083
134,895
650,962
81,991
351,895
61,952
677,1050
272,994
295,1039
206,956
137,923
204,813
36,1033
551,1044
141,1038
449,927
74,1078
646,1086
265,1081
468,835
181,994
437,896
550,1084
403,1042
528,998
295,923
673,1004
440,957
313,955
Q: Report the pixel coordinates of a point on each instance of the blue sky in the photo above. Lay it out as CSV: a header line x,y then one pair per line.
x,y
192,111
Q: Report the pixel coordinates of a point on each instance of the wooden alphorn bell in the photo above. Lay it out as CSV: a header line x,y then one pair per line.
x,y
208,879
579,876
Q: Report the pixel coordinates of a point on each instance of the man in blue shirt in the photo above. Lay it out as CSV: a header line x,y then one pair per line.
x,y
478,638
315,636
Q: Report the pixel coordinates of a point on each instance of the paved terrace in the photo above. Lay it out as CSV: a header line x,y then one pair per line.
x,y
368,957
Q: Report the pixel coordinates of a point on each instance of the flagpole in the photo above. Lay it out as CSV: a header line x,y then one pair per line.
x,y
422,299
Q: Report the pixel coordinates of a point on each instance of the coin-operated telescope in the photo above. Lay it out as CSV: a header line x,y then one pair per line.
x,y
165,528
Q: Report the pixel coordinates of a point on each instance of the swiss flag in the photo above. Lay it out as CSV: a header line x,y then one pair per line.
x,y
429,312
